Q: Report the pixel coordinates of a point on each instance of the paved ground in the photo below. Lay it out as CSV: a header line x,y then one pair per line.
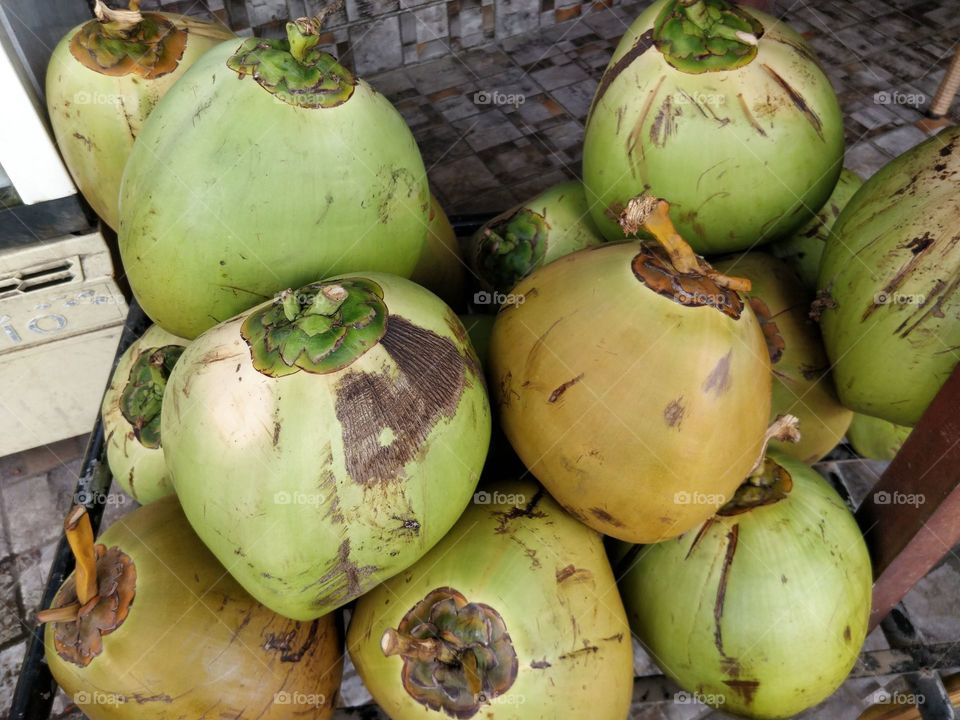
x,y
883,58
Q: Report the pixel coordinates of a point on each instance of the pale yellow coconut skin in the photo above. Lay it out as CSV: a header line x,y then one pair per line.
x,y
640,415
549,579
802,383
96,117
195,640
140,470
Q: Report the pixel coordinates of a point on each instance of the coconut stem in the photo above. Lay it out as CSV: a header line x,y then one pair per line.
x,y
123,20
328,300
303,34
79,534
67,613
424,650
652,214
291,306
786,428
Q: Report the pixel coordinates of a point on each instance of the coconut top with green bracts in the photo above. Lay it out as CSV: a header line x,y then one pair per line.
x,y
142,397
698,36
294,70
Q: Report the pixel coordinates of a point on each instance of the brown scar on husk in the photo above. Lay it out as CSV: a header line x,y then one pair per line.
x,y
744,688
942,293
633,139
527,511
749,115
673,412
344,580
771,332
798,100
718,380
732,538
431,380
285,643
585,650
918,247
540,664
700,534
558,393
640,46
664,124
577,574
606,517
823,301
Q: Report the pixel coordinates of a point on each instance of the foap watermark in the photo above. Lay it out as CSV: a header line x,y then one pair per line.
x,y
314,700
508,699
497,298
700,98
886,697
91,497
284,497
899,498
698,698
97,697
698,498
698,298
897,298
483,497
495,97
896,97
84,97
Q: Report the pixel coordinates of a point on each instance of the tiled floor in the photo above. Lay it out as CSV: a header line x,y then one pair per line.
x,y
498,123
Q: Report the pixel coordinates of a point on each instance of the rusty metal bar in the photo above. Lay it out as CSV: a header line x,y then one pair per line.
x,y
911,519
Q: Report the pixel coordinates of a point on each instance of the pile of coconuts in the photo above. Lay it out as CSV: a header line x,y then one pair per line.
x,y
485,502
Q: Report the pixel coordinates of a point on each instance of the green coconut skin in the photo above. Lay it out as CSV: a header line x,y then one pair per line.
x,y
96,117
743,155
298,193
802,384
315,485
553,224
876,439
440,268
137,464
479,328
802,251
193,639
770,624
889,280
547,576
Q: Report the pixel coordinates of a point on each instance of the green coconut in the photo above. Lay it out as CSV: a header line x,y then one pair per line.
x,y
802,250
479,328
103,80
131,414
889,301
761,610
151,627
876,439
513,616
269,166
440,268
553,224
634,382
724,112
325,440
802,385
